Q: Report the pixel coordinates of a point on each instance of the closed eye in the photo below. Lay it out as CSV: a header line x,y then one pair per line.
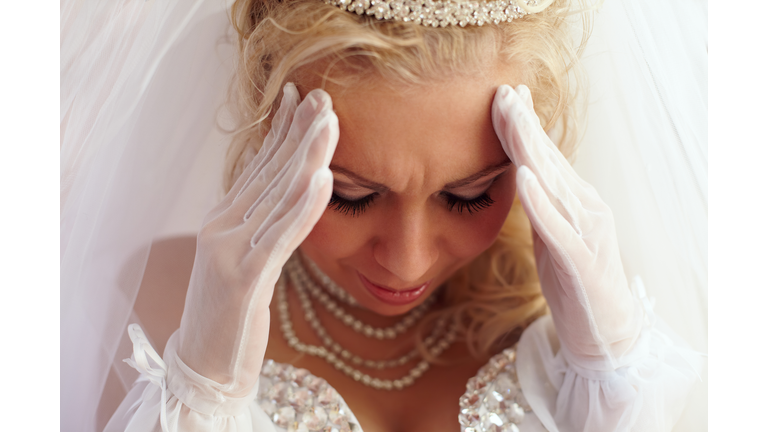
x,y
349,206
356,206
470,205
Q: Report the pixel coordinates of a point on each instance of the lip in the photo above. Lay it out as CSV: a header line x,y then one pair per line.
x,y
394,297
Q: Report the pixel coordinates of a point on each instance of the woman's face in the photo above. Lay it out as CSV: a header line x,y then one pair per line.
x,y
421,187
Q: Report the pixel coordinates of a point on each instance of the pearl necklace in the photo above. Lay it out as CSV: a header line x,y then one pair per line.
x,y
337,361
311,317
327,282
296,270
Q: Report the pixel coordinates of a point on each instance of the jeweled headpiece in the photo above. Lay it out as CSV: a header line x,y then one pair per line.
x,y
444,13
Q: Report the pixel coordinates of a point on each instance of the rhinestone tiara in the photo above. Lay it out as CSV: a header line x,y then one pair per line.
x,y
443,13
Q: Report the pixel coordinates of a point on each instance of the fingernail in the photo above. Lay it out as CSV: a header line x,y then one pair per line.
x,y
523,91
308,112
319,100
504,90
313,101
524,175
320,178
525,94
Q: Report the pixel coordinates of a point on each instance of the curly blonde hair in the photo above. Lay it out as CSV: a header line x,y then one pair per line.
x,y
498,293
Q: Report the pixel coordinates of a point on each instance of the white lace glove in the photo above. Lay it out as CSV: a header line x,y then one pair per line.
x,y
577,253
246,239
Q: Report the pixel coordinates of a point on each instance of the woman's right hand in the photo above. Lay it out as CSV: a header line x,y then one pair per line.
x,y
248,237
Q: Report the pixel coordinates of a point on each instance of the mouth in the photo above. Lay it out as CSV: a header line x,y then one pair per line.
x,y
392,296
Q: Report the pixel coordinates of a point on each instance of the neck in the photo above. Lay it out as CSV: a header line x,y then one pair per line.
x,y
362,350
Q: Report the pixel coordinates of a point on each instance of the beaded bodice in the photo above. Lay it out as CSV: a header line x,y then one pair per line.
x,y
298,401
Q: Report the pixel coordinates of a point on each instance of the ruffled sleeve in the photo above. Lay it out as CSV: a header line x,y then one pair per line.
x,y
171,397
646,392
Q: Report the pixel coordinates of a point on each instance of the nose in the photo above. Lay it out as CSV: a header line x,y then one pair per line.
x,y
407,247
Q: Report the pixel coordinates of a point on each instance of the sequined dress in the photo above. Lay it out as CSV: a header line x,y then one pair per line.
x,y
296,400
530,387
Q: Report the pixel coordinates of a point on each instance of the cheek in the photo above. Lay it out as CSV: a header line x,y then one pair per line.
x,y
470,236
334,236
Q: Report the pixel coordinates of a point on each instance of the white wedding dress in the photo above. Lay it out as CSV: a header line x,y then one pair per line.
x,y
527,388
141,159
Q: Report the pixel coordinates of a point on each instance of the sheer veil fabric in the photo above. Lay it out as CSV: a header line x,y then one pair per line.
x,y
645,151
141,83
142,89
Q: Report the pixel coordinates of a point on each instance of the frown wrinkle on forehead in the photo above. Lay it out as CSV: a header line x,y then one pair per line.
x,y
417,140
484,175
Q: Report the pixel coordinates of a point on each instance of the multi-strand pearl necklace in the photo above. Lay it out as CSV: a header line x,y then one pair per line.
x,y
327,282
337,356
303,284
297,271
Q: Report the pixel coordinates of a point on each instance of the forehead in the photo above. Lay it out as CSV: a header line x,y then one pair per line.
x,y
436,132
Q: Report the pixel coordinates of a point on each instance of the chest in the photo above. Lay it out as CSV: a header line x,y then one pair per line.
x,y
431,404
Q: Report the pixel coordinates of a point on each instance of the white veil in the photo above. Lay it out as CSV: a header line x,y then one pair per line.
x,y
142,83
645,151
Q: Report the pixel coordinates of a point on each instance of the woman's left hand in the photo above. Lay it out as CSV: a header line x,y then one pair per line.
x,y
577,253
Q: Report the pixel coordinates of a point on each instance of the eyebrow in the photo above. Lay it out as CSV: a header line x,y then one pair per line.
x,y
478,175
378,187
362,181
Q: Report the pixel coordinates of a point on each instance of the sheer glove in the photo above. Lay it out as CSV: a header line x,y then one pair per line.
x,y
577,255
246,239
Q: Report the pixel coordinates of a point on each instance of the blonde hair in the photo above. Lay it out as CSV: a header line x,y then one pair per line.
x,y
497,294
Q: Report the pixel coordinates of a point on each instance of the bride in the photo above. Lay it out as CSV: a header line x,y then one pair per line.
x,y
374,242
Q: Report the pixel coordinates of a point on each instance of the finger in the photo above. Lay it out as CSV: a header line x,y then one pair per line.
x,y
557,234
279,127
527,144
504,124
524,92
320,143
584,192
315,150
579,277
499,119
517,128
281,124
311,111
285,235
264,262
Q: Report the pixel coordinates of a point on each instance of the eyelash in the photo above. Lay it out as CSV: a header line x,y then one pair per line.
x,y
470,205
346,206
356,207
